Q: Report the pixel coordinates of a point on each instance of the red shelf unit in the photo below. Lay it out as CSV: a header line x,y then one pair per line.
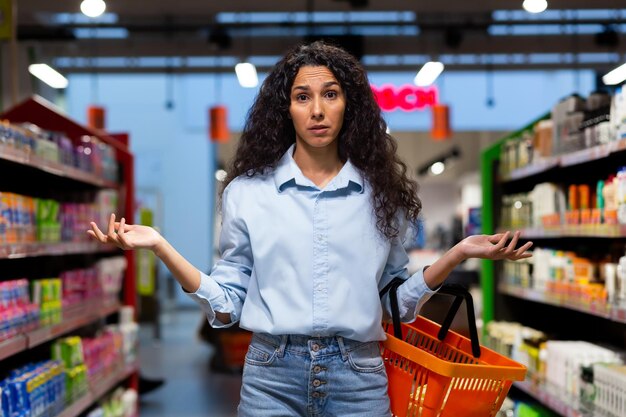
x,y
47,116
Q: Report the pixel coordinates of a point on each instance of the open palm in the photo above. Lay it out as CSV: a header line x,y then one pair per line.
x,y
494,247
126,236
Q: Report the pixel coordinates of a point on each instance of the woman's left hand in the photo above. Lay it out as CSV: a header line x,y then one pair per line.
x,y
494,247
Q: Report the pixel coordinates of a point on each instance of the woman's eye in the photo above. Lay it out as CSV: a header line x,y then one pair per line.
x,y
331,94
301,97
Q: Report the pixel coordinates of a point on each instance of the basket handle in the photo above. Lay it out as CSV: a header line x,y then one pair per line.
x,y
460,294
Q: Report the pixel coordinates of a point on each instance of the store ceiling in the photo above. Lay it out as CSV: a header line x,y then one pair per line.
x,y
188,35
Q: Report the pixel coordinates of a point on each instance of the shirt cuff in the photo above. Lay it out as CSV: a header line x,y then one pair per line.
x,y
414,291
211,298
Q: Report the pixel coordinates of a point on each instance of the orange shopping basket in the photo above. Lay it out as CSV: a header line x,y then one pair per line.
x,y
434,372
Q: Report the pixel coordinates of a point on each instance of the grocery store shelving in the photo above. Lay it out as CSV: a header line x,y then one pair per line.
x,y
560,402
587,230
12,346
29,250
574,158
73,319
604,310
19,156
97,390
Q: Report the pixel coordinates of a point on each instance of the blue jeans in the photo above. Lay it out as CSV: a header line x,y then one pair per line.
x,y
291,376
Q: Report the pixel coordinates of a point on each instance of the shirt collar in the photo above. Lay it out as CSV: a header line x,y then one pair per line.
x,y
288,171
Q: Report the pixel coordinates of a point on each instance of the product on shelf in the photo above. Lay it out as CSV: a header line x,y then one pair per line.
x,y
17,313
608,393
34,390
46,293
121,403
575,123
90,155
582,370
26,220
569,277
603,201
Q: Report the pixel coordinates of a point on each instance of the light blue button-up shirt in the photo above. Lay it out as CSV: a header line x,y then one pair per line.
x,y
296,259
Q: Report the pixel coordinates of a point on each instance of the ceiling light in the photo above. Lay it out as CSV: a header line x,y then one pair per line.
x,y
220,175
48,75
535,6
616,76
428,74
93,8
246,74
437,168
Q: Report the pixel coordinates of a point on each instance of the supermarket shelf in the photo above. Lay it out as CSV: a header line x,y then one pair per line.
x,y
10,347
78,406
561,403
97,391
607,311
73,319
574,158
28,250
103,385
18,156
530,170
590,230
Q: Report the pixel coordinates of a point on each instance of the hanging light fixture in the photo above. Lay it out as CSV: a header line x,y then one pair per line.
x,y
535,6
616,76
48,75
428,73
246,75
93,8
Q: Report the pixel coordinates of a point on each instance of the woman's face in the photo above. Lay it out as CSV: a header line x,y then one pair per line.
x,y
317,106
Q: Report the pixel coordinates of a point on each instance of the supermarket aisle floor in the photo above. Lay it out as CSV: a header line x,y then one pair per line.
x,y
191,389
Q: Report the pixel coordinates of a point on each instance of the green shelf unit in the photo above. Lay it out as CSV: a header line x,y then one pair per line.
x,y
488,161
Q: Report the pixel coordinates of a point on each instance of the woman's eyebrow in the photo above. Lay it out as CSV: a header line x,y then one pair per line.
x,y
307,88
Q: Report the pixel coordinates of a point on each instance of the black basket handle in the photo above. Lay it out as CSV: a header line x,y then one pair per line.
x,y
459,293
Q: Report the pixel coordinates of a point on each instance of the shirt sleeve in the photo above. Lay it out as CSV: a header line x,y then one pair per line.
x,y
224,289
413,293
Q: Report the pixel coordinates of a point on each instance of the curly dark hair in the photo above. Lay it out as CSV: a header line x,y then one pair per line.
x,y
269,132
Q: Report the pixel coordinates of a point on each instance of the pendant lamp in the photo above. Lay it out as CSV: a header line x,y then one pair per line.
x,y
218,124
95,117
441,122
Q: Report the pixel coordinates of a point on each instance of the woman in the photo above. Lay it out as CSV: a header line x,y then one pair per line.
x,y
314,206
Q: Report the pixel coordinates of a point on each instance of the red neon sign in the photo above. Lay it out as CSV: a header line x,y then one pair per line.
x,y
406,98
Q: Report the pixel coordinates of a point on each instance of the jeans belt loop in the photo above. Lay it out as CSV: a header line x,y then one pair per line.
x,y
342,348
283,344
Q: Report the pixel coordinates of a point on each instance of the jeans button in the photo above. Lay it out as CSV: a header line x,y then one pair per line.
x,y
317,383
315,347
316,394
317,369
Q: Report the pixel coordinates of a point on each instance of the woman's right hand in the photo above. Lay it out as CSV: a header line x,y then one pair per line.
x,y
127,236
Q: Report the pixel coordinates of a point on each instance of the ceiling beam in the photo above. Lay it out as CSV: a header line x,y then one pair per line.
x,y
276,46
371,68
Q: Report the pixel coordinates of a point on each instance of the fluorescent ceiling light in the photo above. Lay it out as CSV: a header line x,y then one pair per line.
x,y
93,8
48,75
616,76
437,168
246,74
535,6
428,74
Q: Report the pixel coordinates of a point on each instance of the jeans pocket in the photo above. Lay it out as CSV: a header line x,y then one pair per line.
x,y
260,354
366,358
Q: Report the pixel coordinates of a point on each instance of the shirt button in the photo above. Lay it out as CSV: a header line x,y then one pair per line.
x,y
315,347
316,394
317,369
317,383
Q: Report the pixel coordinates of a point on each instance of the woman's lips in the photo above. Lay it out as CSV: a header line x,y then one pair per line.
x,y
318,130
